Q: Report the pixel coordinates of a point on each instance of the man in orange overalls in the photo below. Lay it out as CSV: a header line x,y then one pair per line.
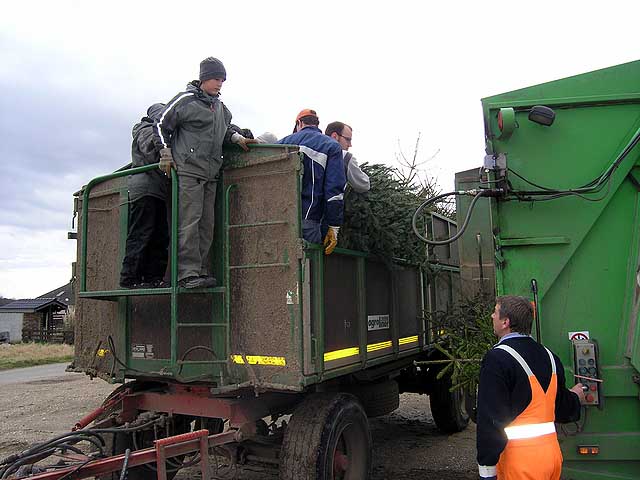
x,y
521,394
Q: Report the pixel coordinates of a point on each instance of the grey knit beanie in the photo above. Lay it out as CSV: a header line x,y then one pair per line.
x,y
210,68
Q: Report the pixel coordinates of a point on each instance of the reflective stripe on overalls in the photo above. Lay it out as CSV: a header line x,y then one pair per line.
x,y
532,451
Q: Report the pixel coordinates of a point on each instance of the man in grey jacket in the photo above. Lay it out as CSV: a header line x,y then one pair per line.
x,y
190,134
343,134
146,253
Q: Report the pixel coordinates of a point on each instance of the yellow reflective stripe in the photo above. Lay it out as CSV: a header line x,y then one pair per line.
x,y
344,353
404,341
529,431
260,360
379,346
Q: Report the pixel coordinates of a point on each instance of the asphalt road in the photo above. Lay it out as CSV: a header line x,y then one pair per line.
x,y
28,374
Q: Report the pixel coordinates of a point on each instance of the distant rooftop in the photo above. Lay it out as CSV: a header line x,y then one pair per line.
x,y
32,305
64,294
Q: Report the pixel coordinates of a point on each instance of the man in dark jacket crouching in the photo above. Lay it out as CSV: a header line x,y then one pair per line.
x,y
146,254
190,134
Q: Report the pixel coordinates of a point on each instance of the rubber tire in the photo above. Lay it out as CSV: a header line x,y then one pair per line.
x,y
448,408
378,399
314,432
471,403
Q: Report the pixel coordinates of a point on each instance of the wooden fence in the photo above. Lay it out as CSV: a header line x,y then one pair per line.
x,y
48,336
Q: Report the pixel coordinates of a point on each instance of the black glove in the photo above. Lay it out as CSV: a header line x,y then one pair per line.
x,y
246,133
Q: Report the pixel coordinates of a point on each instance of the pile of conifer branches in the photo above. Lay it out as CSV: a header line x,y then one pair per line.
x,y
379,221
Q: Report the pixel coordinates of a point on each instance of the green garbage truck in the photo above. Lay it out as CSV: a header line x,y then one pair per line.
x,y
555,216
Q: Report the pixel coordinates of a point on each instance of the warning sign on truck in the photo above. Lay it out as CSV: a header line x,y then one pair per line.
x,y
377,322
582,335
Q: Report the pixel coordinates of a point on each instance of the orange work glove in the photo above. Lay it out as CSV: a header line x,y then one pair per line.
x,y
331,240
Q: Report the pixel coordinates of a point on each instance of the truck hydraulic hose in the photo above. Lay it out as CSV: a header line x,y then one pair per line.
x,y
476,193
536,306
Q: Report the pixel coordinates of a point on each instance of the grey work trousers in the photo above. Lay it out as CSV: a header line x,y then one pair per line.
x,y
196,215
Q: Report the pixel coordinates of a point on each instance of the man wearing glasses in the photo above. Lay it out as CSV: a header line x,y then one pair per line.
x,y
343,134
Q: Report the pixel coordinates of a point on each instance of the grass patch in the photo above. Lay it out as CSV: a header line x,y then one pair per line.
x,y
29,354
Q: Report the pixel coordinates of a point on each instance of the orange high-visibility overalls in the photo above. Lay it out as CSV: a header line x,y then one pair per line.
x,y
532,451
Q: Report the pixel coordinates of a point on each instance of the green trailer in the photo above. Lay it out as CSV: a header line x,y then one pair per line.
x,y
286,358
558,220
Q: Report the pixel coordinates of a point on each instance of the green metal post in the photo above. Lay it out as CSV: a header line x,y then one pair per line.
x,y
85,214
174,268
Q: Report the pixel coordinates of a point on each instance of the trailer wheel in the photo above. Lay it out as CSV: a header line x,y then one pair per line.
x,y
448,408
328,438
380,398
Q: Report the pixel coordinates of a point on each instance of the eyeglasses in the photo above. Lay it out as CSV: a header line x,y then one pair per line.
x,y
348,139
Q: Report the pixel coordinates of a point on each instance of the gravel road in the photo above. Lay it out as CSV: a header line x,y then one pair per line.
x,y
28,374
407,444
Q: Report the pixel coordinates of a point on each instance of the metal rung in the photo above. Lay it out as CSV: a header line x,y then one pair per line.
x,y
259,224
107,294
115,294
195,324
202,290
258,265
202,325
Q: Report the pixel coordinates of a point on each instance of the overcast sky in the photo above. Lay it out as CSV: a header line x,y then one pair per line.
x,y
75,77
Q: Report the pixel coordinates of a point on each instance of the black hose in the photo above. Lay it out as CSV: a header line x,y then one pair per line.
x,y
116,359
77,436
463,227
534,289
68,474
593,186
33,458
123,429
44,450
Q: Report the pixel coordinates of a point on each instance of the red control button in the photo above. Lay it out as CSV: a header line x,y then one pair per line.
x,y
588,397
593,388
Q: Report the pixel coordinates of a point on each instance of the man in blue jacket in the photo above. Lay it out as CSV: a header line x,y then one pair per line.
x,y
323,180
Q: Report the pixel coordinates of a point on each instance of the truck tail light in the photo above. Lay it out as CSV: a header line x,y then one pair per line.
x,y
588,449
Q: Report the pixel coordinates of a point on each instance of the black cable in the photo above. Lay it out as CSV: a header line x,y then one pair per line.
x,y
593,186
148,465
46,449
69,447
556,196
192,349
42,453
465,223
530,182
115,357
33,458
52,442
123,429
68,474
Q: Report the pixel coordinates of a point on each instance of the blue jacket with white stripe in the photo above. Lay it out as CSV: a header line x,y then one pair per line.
x,y
324,180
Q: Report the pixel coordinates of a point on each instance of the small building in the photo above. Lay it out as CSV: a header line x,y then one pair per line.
x,y
46,318
66,295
